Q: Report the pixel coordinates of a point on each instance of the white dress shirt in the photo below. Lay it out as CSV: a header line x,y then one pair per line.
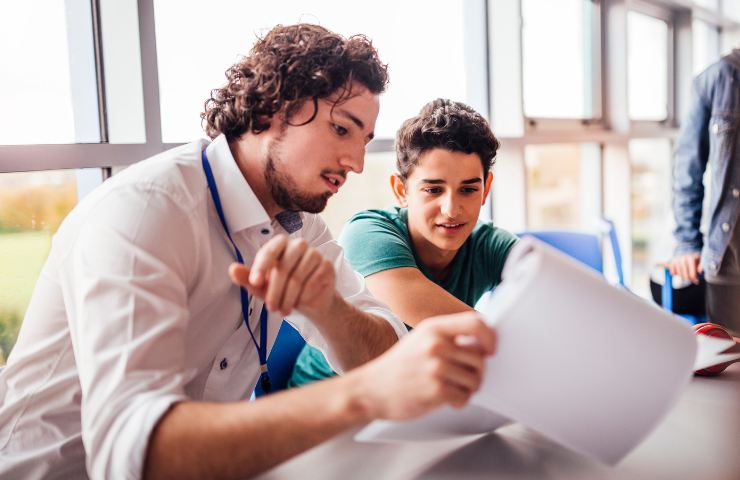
x,y
134,310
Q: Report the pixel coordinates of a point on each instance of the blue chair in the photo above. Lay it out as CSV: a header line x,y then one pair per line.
x,y
666,300
281,360
584,247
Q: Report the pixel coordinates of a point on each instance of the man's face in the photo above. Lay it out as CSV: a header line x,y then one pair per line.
x,y
307,164
444,194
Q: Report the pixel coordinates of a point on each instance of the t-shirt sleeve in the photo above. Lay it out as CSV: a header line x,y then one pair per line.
x,y
496,244
373,242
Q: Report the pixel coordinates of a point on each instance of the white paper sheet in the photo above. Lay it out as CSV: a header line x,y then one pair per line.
x,y
711,350
439,424
585,363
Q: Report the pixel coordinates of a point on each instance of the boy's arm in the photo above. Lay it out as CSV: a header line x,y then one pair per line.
x,y
411,295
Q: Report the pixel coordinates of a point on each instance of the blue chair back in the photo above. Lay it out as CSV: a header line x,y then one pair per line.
x,y
667,299
583,247
281,360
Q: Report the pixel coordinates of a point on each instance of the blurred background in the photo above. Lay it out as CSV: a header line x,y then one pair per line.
x,y
586,96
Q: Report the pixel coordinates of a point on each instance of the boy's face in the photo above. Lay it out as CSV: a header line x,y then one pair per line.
x,y
444,194
307,164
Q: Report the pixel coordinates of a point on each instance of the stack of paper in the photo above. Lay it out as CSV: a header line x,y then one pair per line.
x,y
587,364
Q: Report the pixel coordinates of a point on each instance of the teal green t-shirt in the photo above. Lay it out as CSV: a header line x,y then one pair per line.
x,y
377,240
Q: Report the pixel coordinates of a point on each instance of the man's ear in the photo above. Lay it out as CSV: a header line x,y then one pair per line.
x,y
487,187
399,190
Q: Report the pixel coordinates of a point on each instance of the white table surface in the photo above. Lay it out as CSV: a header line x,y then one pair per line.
x,y
698,439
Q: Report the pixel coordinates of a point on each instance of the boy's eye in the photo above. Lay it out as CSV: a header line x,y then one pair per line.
x,y
340,130
469,190
433,190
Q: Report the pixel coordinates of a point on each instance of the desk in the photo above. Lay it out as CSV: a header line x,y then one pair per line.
x,y
699,439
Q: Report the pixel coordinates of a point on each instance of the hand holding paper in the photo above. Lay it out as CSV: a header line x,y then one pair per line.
x,y
589,365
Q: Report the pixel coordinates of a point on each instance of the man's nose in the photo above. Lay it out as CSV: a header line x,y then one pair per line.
x,y
353,160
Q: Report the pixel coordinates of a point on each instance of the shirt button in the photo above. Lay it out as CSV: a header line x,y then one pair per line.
x,y
715,128
713,265
223,364
725,227
265,231
736,192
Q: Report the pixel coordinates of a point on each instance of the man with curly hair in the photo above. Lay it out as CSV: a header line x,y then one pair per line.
x,y
429,255
137,351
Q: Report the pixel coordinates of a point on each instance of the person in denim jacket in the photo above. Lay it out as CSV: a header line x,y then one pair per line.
x,y
710,137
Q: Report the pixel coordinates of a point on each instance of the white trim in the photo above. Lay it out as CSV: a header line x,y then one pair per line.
x,y
83,79
26,158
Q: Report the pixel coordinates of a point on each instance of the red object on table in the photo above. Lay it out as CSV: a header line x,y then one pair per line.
x,y
714,330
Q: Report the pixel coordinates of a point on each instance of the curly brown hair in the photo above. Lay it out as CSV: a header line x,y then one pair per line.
x,y
286,67
445,124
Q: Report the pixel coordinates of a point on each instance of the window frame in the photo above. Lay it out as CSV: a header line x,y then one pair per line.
x,y
596,122
495,80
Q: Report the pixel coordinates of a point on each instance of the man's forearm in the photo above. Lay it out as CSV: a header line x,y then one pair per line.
x,y
238,440
354,336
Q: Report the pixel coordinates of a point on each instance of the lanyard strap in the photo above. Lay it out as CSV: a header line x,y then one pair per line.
x,y
262,346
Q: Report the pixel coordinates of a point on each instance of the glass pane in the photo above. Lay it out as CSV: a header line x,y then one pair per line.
x,y
47,73
371,189
32,205
422,42
709,4
562,186
647,64
731,11
651,208
705,40
557,43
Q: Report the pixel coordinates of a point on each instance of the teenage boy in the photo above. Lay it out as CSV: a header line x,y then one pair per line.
x,y
431,255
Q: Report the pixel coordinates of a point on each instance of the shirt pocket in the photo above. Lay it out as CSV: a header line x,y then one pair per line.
x,y
722,137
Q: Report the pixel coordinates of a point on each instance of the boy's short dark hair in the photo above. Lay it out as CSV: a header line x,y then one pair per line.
x,y
289,65
445,124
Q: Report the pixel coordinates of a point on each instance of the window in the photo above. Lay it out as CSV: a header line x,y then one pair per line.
x,y
651,208
705,41
709,4
647,65
47,87
32,205
731,11
423,43
558,44
562,186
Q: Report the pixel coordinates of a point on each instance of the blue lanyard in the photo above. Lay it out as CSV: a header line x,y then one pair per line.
x,y
262,346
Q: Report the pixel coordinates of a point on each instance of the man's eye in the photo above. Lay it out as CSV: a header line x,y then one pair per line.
x,y
469,190
340,130
433,190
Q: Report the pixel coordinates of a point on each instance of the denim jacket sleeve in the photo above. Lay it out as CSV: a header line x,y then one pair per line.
x,y
690,162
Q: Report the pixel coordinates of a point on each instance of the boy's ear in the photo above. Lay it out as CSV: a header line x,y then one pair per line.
x,y
399,190
487,186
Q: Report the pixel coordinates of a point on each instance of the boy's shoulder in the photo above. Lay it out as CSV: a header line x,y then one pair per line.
x,y
375,224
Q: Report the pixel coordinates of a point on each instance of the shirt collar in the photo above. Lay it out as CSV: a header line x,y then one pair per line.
x,y
241,206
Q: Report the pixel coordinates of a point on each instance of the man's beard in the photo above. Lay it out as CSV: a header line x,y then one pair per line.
x,y
284,191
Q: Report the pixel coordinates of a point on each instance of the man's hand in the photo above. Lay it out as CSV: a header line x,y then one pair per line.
x,y
289,274
440,362
687,266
